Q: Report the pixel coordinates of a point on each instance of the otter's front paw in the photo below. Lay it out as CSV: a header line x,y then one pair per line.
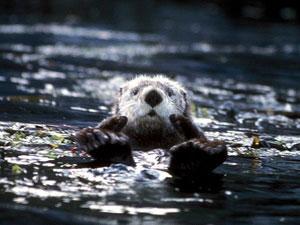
x,y
105,146
195,158
113,123
185,126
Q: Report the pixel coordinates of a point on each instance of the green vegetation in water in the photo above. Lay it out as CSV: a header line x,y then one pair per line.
x,y
204,112
16,169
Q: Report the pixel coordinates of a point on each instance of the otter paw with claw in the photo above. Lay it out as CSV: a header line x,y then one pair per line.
x,y
194,157
105,146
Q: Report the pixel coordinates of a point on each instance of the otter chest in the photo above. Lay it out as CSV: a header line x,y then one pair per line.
x,y
147,139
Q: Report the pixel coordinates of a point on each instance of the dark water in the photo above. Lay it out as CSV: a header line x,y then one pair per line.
x,y
56,78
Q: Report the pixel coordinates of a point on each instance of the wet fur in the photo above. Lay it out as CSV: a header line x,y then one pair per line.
x,y
145,132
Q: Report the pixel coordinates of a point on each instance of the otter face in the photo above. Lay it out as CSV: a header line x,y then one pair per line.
x,y
152,100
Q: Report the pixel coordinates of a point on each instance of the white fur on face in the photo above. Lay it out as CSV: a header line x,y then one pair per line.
x,y
132,100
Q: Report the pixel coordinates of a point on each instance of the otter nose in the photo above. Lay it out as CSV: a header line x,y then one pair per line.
x,y
153,98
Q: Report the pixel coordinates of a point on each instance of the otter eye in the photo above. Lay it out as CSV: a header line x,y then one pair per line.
x,y
170,92
135,91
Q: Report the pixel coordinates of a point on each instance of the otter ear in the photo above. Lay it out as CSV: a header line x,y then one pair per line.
x,y
187,103
184,94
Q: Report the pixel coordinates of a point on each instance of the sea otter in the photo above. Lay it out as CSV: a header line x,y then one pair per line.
x,y
150,113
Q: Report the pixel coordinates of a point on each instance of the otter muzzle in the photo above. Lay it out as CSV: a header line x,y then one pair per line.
x,y
153,98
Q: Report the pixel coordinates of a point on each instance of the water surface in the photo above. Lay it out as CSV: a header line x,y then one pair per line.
x,y
56,78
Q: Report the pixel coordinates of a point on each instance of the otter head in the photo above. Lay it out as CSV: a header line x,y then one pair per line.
x,y
148,102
